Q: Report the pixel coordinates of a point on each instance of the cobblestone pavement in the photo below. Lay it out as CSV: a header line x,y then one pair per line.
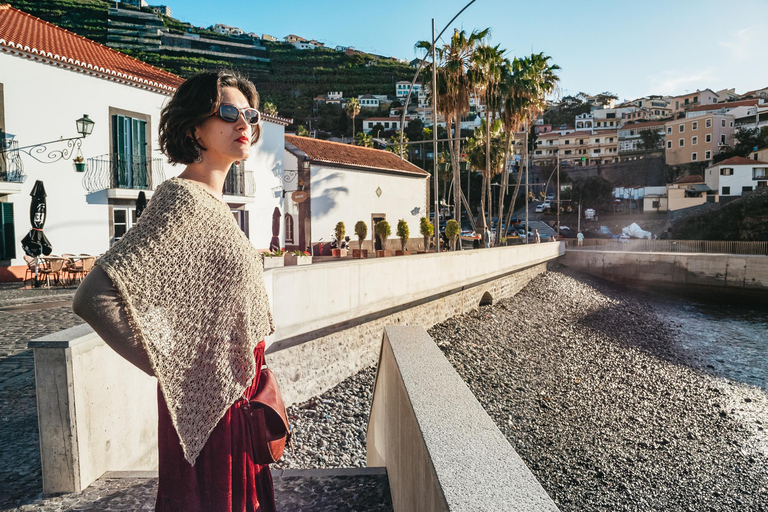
x,y
24,315
313,490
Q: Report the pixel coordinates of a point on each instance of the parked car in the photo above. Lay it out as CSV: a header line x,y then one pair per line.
x,y
550,197
539,209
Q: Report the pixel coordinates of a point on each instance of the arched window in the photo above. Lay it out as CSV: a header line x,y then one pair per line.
x,y
288,228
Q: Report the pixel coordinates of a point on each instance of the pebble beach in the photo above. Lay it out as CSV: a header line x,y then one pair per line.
x,y
594,386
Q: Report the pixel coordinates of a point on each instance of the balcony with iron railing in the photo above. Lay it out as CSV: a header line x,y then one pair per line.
x,y
115,171
12,174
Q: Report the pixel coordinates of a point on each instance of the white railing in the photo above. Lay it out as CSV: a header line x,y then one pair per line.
x,y
681,246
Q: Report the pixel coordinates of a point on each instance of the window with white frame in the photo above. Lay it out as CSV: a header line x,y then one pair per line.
x,y
694,141
289,231
722,123
123,219
681,142
708,138
669,144
726,171
682,128
695,125
722,139
708,123
694,157
708,155
669,130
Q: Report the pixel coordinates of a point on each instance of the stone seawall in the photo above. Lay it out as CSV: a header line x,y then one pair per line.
x,y
690,273
310,368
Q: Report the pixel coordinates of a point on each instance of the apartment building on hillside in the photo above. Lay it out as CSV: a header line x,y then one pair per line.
x,y
577,148
684,101
697,139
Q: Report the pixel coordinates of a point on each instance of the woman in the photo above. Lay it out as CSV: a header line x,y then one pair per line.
x,y
182,297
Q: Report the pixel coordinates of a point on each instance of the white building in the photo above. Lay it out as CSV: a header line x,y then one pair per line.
x,y
584,122
45,67
369,101
402,88
630,135
350,183
736,175
389,123
226,30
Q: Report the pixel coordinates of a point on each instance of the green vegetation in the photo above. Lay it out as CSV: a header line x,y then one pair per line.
x,y
339,231
384,231
403,231
745,218
452,230
361,231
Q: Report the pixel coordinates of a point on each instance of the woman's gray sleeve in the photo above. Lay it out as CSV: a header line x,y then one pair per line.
x,y
98,302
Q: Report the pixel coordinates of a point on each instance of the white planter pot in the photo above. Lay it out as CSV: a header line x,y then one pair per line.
x,y
273,262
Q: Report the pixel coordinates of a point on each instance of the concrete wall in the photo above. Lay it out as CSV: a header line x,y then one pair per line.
x,y
329,317
693,272
441,449
96,411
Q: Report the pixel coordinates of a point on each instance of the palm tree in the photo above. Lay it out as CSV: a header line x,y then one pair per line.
x,y
452,94
397,148
529,81
487,70
490,163
270,109
363,139
352,108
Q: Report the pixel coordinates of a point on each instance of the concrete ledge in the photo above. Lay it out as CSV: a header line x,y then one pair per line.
x,y
441,450
96,412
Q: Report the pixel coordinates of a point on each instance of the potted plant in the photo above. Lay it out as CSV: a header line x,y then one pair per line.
x,y
404,233
274,259
452,230
384,232
79,163
339,231
361,230
298,258
427,230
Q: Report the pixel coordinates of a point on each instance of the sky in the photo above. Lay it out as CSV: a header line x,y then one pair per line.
x,y
630,48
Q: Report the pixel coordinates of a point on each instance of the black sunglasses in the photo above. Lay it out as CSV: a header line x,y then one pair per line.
x,y
231,113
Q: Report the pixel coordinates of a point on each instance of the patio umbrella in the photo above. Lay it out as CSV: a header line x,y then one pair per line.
x,y
141,203
36,243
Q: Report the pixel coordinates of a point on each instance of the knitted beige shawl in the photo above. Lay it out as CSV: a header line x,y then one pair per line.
x,y
193,288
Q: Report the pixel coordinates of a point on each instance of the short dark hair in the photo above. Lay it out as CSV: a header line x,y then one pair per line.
x,y
192,104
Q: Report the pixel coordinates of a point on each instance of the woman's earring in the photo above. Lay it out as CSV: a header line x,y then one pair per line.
x,y
199,157
237,162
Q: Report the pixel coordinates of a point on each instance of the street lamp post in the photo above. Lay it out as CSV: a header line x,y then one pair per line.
x,y
84,128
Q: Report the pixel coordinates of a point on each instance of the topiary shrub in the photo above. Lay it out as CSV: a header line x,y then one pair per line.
x,y
361,230
452,230
339,231
384,232
403,232
427,230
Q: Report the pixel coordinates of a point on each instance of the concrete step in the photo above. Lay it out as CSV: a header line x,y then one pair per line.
x,y
307,490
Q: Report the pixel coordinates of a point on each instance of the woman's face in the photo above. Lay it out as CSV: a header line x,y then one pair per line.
x,y
226,142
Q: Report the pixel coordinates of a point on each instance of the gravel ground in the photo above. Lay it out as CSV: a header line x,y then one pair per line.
x,y
587,381
329,430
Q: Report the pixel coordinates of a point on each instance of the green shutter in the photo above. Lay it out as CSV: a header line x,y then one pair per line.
x,y
139,153
7,232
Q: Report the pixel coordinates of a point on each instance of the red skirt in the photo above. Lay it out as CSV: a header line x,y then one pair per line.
x,y
224,478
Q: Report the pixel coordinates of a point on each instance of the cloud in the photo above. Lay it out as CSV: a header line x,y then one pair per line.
x,y
743,45
676,82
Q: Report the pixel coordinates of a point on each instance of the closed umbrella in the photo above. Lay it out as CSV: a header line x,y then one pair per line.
x,y
141,203
36,243
274,243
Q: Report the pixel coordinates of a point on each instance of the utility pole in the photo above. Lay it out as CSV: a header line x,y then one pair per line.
x,y
526,181
434,138
558,192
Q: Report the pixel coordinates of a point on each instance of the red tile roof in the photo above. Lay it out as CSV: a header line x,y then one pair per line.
x,y
693,178
27,36
740,160
397,118
323,151
718,106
